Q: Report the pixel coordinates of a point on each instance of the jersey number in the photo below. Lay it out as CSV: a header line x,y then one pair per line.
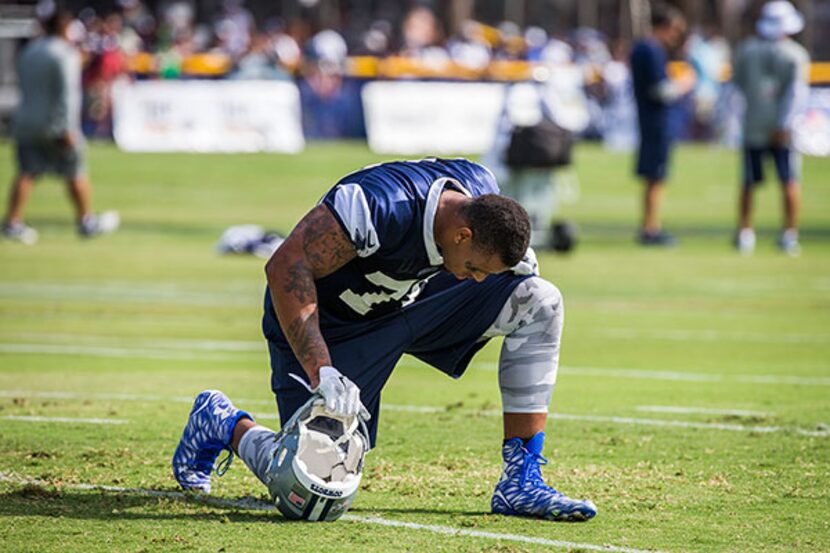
x,y
362,303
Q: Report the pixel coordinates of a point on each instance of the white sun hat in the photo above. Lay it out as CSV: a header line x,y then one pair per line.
x,y
779,19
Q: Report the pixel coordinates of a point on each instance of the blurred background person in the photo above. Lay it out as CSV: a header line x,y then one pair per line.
x,y
470,49
376,40
654,93
422,37
107,53
234,28
271,55
619,111
709,56
771,71
140,20
331,106
47,127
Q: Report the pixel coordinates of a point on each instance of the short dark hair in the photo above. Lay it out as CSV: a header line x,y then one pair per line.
x,y
55,22
663,15
500,226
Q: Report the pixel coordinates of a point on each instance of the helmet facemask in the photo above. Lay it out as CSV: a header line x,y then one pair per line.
x,y
318,463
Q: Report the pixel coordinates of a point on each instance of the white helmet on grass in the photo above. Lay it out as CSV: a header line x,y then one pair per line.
x,y
318,463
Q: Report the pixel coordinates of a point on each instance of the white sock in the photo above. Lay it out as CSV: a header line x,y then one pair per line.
x,y
255,449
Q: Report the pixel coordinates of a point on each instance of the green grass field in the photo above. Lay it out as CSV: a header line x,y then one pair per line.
x,y
692,404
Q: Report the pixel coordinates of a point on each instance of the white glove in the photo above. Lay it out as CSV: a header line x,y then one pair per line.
x,y
341,395
528,265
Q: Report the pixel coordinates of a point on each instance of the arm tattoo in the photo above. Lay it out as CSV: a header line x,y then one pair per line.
x,y
299,283
316,247
326,246
307,342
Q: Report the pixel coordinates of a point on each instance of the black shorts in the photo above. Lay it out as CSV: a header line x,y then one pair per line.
x,y
786,161
653,157
50,156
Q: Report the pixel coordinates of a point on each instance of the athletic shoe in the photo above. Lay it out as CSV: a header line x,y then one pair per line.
x,y
660,238
522,492
209,430
96,224
788,242
20,232
745,241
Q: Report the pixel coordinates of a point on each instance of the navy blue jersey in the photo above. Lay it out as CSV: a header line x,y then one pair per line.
x,y
387,211
443,328
393,297
648,70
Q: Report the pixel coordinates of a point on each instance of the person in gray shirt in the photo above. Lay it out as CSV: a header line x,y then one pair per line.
x,y
771,71
47,130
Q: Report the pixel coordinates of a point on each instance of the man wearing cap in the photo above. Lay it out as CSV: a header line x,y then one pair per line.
x,y
771,71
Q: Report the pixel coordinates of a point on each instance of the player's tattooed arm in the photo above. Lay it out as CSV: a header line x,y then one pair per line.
x,y
315,248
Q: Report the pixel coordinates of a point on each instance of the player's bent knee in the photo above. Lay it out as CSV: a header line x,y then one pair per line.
x,y
534,301
530,353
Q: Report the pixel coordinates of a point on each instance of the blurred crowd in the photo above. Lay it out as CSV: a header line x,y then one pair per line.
x,y
135,42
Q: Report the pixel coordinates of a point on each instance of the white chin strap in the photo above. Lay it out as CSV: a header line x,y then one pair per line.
x,y
531,322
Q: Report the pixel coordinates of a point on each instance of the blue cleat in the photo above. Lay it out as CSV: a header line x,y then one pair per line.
x,y
209,430
522,492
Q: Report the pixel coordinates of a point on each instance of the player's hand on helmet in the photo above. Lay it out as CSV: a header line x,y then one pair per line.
x,y
342,396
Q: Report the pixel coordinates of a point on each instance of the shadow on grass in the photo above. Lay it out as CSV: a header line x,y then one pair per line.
x,y
37,501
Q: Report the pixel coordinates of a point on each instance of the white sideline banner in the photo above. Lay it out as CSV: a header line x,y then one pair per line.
x,y
432,117
207,116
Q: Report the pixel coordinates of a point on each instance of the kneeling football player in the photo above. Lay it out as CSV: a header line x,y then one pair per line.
x,y
418,257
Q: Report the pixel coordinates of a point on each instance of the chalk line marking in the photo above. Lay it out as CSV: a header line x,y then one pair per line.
x,y
714,336
252,504
131,292
32,418
627,420
677,409
645,374
117,397
427,409
189,344
131,352
222,350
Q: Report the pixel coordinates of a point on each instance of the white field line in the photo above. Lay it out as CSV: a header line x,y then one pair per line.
x,y
132,352
126,292
117,397
775,379
715,336
677,409
257,505
628,420
187,344
426,409
218,350
22,418
644,374
687,424
641,374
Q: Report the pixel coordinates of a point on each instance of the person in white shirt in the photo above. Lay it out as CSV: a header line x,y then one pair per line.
x,y
771,71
